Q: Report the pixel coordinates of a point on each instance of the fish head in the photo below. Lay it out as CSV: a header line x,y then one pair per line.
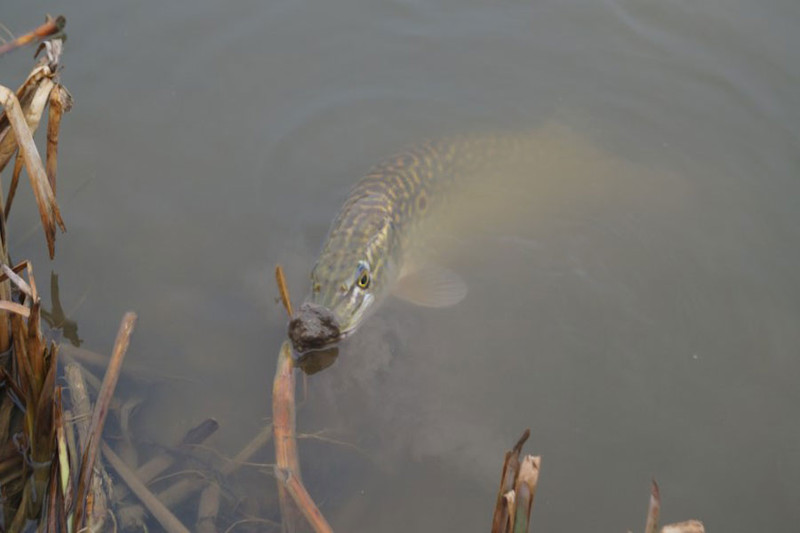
x,y
353,275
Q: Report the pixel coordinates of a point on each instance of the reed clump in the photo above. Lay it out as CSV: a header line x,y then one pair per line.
x,y
45,480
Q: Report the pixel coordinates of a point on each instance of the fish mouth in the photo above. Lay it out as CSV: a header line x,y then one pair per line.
x,y
314,327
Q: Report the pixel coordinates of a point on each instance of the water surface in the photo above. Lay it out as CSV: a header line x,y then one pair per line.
x,y
641,318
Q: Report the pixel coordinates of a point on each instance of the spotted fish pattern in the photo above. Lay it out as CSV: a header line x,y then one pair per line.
x,y
372,232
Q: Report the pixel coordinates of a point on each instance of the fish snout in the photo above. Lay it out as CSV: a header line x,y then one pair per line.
x,y
313,327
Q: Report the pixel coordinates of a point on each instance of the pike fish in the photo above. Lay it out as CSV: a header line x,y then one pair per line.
x,y
369,252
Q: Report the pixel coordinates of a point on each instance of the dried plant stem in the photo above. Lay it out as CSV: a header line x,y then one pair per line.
x,y
525,490
502,519
287,467
50,27
651,526
283,420
99,415
303,500
82,412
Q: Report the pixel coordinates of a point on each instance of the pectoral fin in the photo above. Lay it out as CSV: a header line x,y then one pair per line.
x,y
431,286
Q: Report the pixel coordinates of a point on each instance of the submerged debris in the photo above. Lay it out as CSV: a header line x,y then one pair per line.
x,y
313,327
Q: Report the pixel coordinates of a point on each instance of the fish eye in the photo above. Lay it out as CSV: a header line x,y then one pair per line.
x,y
363,281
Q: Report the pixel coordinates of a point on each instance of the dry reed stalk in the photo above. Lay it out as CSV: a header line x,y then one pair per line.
x,y
156,508
64,464
283,416
81,406
525,490
654,510
510,502
651,526
502,518
56,510
303,500
287,466
82,412
51,26
283,425
99,415
35,363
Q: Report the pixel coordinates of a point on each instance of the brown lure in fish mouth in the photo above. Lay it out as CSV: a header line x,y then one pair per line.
x,y
313,327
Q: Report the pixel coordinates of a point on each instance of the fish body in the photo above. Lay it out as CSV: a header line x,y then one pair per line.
x,y
368,251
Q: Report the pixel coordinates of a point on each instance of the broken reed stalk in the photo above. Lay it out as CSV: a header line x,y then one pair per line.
x,y
33,384
501,520
525,490
283,424
82,412
514,502
287,467
303,500
50,27
156,508
99,416
651,526
654,510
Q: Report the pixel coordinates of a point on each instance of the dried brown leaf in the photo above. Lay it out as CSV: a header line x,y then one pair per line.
x,y
45,200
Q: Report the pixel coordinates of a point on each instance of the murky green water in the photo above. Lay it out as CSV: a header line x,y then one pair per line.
x,y
643,318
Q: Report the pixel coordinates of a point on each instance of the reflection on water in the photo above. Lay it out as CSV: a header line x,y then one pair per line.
x,y
633,300
56,319
317,361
